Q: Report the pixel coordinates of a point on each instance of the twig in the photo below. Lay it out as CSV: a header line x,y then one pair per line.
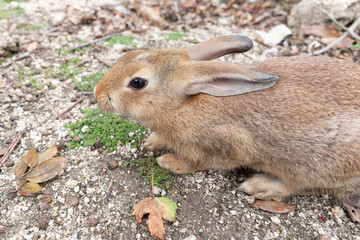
x,y
128,49
330,45
69,108
152,183
11,148
109,190
85,93
350,30
106,64
95,41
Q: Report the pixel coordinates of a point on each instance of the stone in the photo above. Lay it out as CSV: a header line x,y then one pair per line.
x,y
305,12
42,221
92,221
112,164
73,201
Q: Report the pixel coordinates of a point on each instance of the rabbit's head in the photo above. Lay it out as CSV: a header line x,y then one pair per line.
x,y
145,84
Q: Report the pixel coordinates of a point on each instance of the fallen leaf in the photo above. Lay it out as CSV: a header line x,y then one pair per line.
x,y
48,154
353,212
31,187
25,193
274,207
167,208
20,167
322,30
154,222
21,182
189,4
46,170
2,152
31,158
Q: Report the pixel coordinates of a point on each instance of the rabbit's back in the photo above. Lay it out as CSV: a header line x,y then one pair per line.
x,y
305,129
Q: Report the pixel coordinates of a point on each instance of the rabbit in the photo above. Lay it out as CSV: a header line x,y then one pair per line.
x,y
295,120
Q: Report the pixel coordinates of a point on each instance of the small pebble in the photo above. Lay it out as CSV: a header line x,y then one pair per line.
x,y
84,129
42,221
43,206
275,220
112,164
45,133
60,144
9,163
10,195
14,117
322,237
93,101
77,139
73,201
71,184
92,221
131,134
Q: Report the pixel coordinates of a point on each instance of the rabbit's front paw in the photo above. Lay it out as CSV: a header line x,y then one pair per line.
x,y
175,164
154,143
265,186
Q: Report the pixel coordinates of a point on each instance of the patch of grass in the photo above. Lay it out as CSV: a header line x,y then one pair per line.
x,y
357,45
175,35
30,27
124,40
88,83
66,71
146,166
8,13
23,76
108,129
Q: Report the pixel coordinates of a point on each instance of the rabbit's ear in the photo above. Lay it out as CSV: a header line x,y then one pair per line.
x,y
219,46
226,79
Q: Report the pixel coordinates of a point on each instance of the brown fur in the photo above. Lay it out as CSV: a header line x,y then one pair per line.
x,y
304,131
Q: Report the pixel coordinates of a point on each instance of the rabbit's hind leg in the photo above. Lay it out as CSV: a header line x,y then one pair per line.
x,y
176,164
265,186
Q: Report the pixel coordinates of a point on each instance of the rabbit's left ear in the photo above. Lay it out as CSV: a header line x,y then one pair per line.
x,y
225,79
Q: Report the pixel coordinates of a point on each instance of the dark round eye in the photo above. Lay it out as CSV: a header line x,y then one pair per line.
x,y
138,83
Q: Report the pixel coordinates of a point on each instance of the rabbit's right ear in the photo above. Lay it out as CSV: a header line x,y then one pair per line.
x,y
225,79
219,46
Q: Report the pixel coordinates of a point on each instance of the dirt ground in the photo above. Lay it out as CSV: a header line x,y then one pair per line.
x,y
78,204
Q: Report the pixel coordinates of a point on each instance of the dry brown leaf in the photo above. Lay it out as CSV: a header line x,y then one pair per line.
x,y
46,170
353,212
48,154
31,187
20,167
31,158
154,222
25,193
2,152
21,182
275,207
323,31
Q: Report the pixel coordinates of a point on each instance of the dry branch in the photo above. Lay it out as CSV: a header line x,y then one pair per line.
x,y
11,148
69,108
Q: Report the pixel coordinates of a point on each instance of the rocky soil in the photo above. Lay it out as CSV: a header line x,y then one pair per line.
x,y
37,39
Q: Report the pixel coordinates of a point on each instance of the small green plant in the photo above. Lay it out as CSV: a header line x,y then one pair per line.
x,y
88,83
124,40
146,166
176,35
8,13
357,45
30,27
108,129
22,76
66,71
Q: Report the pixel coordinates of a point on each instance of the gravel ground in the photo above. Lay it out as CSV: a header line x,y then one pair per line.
x,y
78,203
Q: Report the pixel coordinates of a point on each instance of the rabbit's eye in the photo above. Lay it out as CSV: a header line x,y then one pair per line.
x,y
138,83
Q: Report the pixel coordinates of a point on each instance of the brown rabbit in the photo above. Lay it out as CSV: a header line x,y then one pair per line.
x,y
296,119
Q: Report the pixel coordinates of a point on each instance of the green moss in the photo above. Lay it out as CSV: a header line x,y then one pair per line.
x,y
88,83
66,70
124,40
108,129
146,166
176,35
